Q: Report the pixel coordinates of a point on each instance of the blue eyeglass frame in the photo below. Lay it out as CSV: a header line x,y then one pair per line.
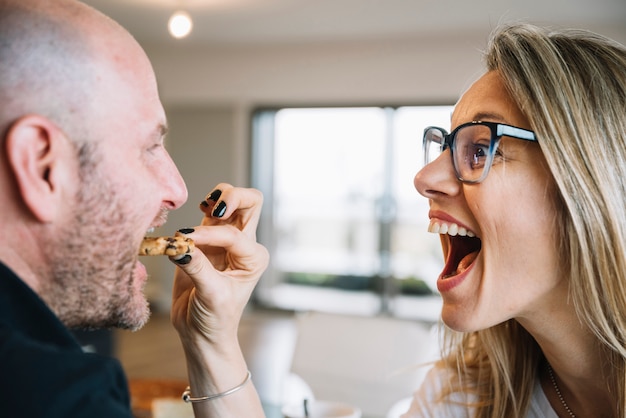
x,y
498,130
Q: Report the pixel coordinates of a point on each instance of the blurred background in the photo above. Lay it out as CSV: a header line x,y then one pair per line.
x,y
321,105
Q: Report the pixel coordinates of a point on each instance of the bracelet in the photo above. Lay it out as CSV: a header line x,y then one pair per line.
x,y
188,398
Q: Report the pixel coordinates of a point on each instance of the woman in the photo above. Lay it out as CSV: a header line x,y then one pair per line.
x,y
527,194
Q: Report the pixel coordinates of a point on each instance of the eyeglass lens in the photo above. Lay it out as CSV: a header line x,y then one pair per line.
x,y
470,150
433,144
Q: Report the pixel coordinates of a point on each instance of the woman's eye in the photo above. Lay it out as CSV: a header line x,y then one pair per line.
x,y
478,156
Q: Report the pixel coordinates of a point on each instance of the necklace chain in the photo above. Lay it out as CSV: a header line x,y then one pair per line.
x,y
558,391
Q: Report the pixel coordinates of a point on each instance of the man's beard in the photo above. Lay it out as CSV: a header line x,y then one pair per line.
x,y
91,283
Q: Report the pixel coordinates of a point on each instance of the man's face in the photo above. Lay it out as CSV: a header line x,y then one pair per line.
x,y
126,185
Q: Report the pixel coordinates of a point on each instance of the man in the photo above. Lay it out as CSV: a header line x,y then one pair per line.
x,y
83,175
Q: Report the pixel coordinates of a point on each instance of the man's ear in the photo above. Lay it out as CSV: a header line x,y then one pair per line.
x,y
35,149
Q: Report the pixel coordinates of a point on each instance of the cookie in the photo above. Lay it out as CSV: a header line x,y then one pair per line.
x,y
169,246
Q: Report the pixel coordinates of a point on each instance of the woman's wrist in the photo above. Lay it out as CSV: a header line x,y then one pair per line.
x,y
224,380
214,367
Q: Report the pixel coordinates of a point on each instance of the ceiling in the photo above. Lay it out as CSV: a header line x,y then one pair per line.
x,y
279,21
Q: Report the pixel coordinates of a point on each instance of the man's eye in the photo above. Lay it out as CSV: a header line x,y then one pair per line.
x,y
155,147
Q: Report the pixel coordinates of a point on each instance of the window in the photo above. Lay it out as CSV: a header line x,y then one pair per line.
x,y
342,220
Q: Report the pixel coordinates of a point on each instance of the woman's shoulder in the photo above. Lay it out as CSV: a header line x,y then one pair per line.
x,y
428,403
539,405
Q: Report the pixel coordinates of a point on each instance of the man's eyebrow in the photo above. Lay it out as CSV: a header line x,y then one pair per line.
x,y
159,132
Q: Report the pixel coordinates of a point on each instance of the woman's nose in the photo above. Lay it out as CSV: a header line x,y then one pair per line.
x,y
437,178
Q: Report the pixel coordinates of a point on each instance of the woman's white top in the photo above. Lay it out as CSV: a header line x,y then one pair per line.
x,y
424,403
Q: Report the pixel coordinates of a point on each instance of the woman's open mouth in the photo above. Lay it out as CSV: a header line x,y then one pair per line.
x,y
461,247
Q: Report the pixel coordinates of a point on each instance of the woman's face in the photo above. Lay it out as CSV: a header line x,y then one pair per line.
x,y
512,271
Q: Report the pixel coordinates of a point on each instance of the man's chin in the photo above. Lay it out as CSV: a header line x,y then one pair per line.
x,y
130,316
134,319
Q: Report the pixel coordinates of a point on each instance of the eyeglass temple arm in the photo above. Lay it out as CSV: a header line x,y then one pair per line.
x,y
512,131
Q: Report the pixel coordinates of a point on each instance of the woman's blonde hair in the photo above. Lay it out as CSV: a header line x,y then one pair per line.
x,y
571,85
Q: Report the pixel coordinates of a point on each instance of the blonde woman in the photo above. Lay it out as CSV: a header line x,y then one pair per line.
x,y
527,193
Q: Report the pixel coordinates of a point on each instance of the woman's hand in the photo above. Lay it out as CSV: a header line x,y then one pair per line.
x,y
213,286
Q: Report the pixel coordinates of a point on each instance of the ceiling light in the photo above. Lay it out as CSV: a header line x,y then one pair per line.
x,y
180,24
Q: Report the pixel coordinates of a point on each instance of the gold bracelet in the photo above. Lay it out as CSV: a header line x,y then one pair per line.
x,y
188,398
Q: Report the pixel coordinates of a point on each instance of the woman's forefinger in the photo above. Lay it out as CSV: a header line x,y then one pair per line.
x,y
240,207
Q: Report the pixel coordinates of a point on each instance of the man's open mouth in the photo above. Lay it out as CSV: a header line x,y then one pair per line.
x,y
462,246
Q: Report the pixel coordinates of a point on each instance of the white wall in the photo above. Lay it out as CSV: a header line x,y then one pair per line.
x,y
402,70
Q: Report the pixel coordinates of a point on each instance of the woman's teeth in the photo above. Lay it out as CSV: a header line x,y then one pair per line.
x,y
438,227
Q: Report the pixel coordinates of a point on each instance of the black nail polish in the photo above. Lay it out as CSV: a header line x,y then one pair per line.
x,y
220,209
186,230
204,204
186,259
215,194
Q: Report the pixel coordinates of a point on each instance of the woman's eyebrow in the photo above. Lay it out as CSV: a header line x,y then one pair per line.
x,y
489,116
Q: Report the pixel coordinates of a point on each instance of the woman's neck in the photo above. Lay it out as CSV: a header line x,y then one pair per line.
x,y
581,370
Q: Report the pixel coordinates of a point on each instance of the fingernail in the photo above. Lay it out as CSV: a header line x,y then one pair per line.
x,y
186,230
182,259
204,203
215,194
220,209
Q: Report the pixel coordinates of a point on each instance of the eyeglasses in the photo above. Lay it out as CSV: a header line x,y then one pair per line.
x,y
472,146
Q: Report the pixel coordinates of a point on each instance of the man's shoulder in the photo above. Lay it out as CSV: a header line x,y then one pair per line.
x,y
43,371
40,379
23,312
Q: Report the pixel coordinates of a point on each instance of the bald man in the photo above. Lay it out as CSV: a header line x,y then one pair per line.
x,y
83,175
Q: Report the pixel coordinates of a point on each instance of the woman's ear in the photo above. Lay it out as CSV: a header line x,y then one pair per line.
x,y
37,155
